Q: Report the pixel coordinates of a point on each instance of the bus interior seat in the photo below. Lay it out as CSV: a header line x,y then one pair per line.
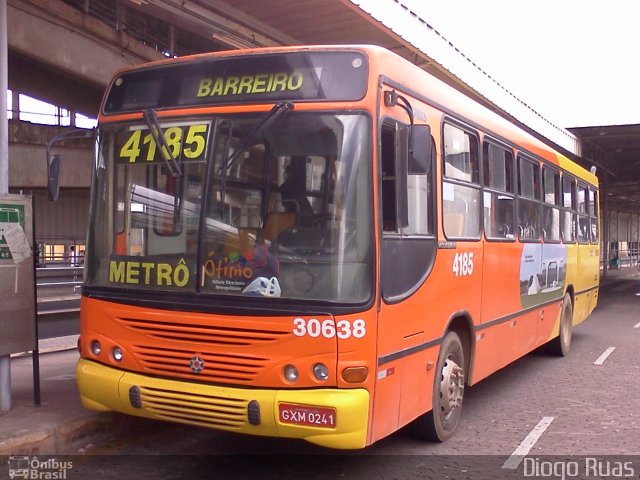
x,y
276,223
453,224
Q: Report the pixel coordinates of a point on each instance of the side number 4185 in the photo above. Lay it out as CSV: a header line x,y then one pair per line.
x,y
463,264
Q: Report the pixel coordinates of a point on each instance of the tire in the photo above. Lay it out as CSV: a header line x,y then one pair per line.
x,y
447,393
561,345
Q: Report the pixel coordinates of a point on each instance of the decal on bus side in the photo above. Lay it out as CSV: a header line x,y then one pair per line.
x,y
343,329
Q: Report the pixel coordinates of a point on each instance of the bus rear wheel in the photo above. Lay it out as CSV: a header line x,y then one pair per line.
x,y
561,345
448,391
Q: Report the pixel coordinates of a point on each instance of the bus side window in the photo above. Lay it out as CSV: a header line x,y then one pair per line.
x,y
529,221
461,189
593,212
551,198
388,160
408,212
568,214
498,196
583,214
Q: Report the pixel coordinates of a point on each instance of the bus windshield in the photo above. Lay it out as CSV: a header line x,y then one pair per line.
x,y
278,209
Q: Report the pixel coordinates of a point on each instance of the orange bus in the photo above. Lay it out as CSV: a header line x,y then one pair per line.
x,y
324,243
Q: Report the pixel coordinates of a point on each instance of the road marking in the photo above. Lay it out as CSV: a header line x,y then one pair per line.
x,y
604,356
637,325
519,453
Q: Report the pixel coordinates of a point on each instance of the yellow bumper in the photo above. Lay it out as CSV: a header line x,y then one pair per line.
x,y
103,388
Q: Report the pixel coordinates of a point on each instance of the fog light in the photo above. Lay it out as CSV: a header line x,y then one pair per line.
x,y
291,373
96,348
116,353
321,372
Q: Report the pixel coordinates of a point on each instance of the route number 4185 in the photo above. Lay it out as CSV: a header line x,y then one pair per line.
x,y
463,264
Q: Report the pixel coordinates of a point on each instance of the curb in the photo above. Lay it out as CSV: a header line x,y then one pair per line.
x,y
74,436
62,439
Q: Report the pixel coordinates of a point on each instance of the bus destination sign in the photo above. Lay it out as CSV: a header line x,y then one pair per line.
x,y
299,76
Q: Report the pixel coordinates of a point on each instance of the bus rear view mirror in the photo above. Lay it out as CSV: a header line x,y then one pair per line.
x,y
53,181
420,149
53,162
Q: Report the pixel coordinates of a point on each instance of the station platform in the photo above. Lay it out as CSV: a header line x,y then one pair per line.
x,y
62,426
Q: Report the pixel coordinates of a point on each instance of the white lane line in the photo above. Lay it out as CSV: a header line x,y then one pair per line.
x,y
519,453
637,325
604,356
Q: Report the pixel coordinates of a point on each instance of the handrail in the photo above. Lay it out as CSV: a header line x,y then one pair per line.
x,y
60,277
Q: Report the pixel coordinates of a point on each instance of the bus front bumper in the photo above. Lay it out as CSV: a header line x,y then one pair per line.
x,y
335,418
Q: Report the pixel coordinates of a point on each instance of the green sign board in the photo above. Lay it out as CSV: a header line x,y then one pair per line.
x,y
11,214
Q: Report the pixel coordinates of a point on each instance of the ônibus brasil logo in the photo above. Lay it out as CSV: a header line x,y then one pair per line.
x,y
38,469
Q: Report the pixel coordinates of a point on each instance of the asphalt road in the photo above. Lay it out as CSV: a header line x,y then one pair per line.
x,y
579,413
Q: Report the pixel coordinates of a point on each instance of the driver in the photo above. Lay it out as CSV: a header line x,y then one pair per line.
x,y
293,191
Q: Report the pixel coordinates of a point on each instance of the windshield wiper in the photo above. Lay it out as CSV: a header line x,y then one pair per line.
x,y
172,163
277,110
173,166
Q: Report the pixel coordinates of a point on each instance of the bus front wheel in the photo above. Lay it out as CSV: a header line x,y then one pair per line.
x,y
448,391
560,345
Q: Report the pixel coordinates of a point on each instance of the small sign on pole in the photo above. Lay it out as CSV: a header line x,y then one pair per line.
x,y
17,300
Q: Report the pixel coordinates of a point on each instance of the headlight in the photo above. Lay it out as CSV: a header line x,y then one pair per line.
x,y
116,353
321,372
96,348
291,373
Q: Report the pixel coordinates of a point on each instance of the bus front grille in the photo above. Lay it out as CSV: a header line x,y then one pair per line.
x,y
210,367
195,409
200,333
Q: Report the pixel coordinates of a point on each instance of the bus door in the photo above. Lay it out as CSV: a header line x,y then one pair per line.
x,y
408,248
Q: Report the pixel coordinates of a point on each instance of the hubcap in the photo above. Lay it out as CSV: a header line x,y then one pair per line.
x,y
451,388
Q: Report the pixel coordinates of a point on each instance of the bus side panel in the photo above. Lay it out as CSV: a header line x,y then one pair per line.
x,y
386,404
500,283
504,335
403,381
586,279
410,331
499,345
415,396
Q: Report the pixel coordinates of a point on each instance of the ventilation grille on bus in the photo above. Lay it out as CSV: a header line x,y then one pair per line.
x,y
223,368
195,409
202,334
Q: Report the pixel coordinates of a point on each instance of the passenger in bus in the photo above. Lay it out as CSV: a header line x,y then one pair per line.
x,y
293,191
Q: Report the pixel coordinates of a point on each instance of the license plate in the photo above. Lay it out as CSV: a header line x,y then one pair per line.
x,y
307,415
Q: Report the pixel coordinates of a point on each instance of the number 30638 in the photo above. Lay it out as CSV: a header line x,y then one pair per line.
x,y
343,329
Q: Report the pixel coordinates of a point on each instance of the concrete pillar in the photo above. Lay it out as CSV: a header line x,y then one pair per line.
x,y
5,362
4,85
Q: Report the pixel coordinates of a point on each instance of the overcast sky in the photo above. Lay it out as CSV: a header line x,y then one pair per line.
x,y
576,62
